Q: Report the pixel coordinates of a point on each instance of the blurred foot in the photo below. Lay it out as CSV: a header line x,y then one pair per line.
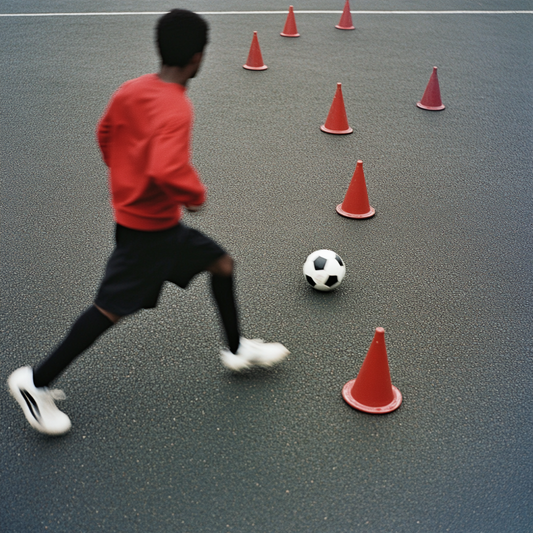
x,y
38,403
254,353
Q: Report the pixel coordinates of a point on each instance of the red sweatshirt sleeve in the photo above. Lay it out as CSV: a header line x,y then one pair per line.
x,y
103,135
169,164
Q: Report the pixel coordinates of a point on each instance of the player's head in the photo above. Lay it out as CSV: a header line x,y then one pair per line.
x,y
180,34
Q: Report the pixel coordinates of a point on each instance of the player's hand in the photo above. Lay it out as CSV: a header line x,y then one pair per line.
x,y
193,208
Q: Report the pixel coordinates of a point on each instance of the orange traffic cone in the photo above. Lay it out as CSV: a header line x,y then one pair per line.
x,y
255,59
372,390
346,18
431,99
290,25
337,122
355,203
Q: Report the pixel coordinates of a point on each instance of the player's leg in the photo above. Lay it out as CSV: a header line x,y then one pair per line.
x,y
223,292
30,386
192,253
243,353
84,332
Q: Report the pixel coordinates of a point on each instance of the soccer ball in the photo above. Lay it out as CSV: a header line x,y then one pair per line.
x,y
324,270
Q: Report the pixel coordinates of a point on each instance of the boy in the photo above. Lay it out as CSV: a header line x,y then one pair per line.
x,y
144,137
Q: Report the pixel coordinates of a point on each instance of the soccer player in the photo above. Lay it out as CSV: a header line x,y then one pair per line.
x,y
144,136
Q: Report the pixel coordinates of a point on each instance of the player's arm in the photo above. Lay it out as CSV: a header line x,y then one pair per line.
x,y
194,208
171,168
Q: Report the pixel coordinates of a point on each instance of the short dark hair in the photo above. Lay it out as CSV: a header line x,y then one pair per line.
x,y
179,35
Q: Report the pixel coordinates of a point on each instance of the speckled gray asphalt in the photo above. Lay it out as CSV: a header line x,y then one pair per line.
x,y
165,439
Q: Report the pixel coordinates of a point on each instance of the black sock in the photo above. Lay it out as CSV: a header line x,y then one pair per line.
x,y
222,287
89,326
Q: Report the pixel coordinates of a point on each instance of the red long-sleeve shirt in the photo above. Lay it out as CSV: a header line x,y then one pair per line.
x,y
145,136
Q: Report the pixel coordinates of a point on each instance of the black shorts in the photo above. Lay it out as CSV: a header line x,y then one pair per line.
x,y
143,260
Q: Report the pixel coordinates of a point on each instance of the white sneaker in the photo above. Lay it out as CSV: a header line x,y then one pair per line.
x,y
38,403
253,353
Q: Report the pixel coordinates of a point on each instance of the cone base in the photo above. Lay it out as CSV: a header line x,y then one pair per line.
x,y
336,132
290,34
248,67
344,27
430,107
352,402
344,213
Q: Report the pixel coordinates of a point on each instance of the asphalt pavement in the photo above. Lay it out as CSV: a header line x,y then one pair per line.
x,y
165,439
